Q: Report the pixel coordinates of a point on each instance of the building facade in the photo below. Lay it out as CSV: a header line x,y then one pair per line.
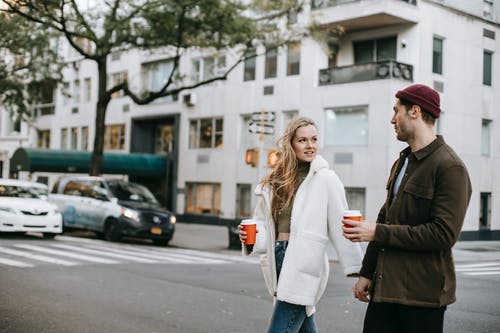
x,y
346,84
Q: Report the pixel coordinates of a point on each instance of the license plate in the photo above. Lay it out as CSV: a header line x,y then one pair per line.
x,y
156,231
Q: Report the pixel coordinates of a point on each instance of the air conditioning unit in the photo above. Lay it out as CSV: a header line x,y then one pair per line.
x,y
189,99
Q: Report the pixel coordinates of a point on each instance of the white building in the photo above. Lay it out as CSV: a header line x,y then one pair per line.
x,y
347,86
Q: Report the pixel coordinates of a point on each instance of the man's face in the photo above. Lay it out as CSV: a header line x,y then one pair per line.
x,y
401,121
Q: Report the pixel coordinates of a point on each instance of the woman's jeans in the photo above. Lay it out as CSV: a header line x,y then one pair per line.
x,y
289,318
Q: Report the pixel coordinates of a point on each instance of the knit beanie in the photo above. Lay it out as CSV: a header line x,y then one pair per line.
x,y
423,96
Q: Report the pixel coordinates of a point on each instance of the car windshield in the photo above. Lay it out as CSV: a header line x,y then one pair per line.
x,y
131,192
19,191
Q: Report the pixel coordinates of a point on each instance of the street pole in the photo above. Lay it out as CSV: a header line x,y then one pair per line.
x,y
261,149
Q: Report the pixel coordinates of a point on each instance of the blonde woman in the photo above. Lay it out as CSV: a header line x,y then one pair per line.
x,y
299,210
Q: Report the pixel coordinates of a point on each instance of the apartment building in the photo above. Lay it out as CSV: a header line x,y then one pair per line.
x,y
346,84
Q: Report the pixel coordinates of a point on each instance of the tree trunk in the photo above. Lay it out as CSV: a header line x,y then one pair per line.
x,y
102,105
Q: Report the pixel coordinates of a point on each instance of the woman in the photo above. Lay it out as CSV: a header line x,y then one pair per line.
x,y
299,210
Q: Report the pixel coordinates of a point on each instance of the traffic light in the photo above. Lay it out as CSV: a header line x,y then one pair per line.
x,y
272,158
252,157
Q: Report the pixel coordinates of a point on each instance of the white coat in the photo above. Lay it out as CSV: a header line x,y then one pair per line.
x,y
316,219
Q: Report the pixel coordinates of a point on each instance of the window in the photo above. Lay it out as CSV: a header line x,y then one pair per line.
x,y
116,79
243,200
375,50
87,90
65,92
287,116
249,66
208,67
486,137
271,62
85,138
76,91
43,139
64,138
74,138
156,75
203,198
114,137
164,139
356,198
206,133
347,126
293,59
487,67
485,211
437,55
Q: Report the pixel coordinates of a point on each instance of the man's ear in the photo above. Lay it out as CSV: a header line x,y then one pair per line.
x,y
415,111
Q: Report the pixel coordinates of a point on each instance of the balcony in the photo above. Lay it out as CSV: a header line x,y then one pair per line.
x,y
356,15
43,109
366,72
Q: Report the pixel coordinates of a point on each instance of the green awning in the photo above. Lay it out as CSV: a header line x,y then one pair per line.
x,y
47,160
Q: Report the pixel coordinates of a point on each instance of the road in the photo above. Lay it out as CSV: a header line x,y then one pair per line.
x,y
75,284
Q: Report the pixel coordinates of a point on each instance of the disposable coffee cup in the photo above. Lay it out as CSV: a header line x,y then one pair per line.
x,y
353,215
250,228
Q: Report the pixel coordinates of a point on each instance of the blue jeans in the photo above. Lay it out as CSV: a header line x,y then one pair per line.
x,y
287,317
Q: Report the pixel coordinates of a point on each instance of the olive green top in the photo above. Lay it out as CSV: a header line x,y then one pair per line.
x,y
284,216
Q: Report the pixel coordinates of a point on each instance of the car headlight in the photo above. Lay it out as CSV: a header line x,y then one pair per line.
x,y
8,210
130,213
172,219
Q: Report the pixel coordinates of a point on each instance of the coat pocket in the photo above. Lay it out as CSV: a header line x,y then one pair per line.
x,y
416,204
267,272
309,253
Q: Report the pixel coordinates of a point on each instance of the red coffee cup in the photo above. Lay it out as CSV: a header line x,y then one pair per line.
x,y
250,228
353,215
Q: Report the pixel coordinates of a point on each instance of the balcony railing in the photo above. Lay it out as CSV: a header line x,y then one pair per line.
x,y
389,69
43,109
318,4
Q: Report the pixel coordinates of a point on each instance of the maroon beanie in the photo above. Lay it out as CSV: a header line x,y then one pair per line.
x,y
423,96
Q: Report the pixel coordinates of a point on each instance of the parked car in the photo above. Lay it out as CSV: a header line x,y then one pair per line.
x,y
24,207
112,208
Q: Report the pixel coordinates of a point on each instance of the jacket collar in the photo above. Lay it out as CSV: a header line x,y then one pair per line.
x,y
427,150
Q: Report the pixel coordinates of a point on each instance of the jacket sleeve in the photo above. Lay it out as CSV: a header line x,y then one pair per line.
x,y
259,216
349,253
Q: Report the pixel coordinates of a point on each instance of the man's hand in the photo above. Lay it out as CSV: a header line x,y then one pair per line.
x,y
359,231
360,289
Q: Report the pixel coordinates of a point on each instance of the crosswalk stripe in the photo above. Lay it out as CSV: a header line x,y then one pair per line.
x,y
172,257
67,254
37,257
478,269
486,264
16,263
107,254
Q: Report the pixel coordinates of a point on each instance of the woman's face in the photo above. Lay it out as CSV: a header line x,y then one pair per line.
x,y
305,143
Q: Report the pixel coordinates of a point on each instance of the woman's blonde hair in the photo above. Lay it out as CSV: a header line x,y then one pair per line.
x,y
283,179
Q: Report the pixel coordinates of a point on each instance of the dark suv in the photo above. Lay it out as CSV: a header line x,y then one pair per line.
x,y
112,208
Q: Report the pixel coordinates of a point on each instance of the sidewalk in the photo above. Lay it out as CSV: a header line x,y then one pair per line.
x,y
216,239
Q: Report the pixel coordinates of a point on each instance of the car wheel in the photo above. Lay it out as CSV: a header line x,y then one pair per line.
x,y
48,235
113,231
161,242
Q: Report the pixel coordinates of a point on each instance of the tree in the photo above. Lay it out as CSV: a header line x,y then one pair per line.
x,y
173,25
28,63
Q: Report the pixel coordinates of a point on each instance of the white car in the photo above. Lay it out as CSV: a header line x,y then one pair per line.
x,y
24,208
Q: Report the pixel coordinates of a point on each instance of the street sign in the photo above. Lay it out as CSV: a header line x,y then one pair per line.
x,y
267,116
256,127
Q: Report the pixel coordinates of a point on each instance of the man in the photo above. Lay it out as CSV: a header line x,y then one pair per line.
x,y
408,274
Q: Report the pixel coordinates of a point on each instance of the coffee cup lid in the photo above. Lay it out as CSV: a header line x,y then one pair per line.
x,y
352,213
248,221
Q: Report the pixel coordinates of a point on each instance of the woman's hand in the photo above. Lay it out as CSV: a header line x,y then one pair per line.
x,y
243,234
